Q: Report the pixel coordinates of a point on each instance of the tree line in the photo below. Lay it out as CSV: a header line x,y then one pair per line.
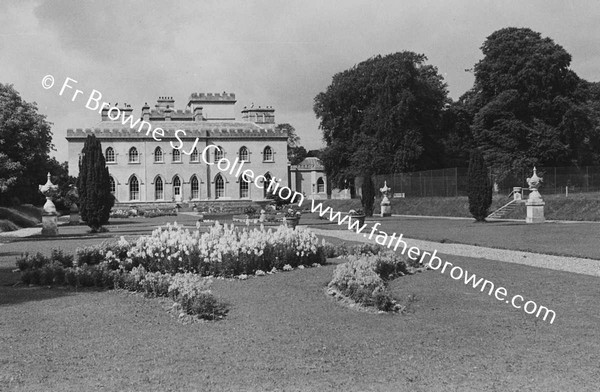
x,y
526,107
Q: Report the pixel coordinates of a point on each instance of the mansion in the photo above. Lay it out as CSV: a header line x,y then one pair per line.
x,y
143,169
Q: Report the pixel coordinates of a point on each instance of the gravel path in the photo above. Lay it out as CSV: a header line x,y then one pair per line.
x,y
560,263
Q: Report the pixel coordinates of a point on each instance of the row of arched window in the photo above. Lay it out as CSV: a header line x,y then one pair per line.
x,y
134,156
159,189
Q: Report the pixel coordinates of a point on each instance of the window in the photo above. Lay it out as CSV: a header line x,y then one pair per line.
x,y
266,183
219,186
158,154
159,193
113,187
110,155
177,188
244,156
320,185
134,189
268,154
133,155
219,154
244,192
194,156
176,155
194,187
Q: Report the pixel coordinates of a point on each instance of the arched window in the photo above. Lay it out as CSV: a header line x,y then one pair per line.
x,y
244,188
194,187
113,187
110,155
320,185
133,155
219,186
244,155
176,155
266,183
134,189
268,154
194,156
219,154
177,188
159,190
158,154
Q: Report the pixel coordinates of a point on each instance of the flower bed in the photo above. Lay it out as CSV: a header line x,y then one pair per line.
x,y
147,213
174,256
363,278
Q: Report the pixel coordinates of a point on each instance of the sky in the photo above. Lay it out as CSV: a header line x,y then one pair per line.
x,y
270,53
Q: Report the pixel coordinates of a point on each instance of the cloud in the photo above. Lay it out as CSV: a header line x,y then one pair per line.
x,y
277,53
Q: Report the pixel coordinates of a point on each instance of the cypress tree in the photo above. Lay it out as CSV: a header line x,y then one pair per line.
x,y
368,195
95,199
480,187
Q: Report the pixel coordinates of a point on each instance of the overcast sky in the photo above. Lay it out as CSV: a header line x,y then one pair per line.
x,y
278,53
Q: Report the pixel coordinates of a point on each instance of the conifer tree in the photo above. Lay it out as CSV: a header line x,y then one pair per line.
x,y
95,199
368,195
480,187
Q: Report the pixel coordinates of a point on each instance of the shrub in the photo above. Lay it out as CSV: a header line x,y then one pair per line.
x,y
91,255
65,260
480,187
368,195
27,262
363,278
205,306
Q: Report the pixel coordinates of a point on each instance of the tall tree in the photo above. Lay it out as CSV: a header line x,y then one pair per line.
x,y
480,187
381,116
95,199
25,141
526,103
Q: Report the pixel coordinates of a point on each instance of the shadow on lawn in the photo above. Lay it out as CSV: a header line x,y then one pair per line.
x,y
21,294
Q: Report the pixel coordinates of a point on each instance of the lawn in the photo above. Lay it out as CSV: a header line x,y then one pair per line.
x,y
284,333
565,239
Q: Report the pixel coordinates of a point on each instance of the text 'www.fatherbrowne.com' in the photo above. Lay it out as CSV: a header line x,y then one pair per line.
x,y
457,273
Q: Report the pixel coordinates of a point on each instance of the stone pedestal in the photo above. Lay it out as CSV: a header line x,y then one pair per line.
x,y
386,209
535,204
74,215
535,212
49,224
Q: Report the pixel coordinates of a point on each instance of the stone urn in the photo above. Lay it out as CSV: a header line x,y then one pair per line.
x,y
49,214
386,208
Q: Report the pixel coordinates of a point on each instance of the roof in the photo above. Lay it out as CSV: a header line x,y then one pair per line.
x,y
310,163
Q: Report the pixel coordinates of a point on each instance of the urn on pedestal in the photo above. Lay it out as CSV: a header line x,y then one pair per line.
x,y
535,204
49,214
386,208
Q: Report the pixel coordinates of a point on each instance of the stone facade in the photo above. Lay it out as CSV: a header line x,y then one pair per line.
x,y
309,178
172,169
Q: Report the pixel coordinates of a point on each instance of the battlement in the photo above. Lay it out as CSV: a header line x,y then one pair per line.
x,y
210,97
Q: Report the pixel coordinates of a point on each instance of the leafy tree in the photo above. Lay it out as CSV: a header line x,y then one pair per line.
x,y
529,107
25,141
381,116
95,199
295,152
480,187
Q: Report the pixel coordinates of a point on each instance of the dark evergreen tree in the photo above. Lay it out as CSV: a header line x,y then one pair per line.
x,y
480,187
93,185
368,195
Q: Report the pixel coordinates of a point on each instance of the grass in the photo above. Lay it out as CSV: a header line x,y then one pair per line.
x,y
578,207
284,333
